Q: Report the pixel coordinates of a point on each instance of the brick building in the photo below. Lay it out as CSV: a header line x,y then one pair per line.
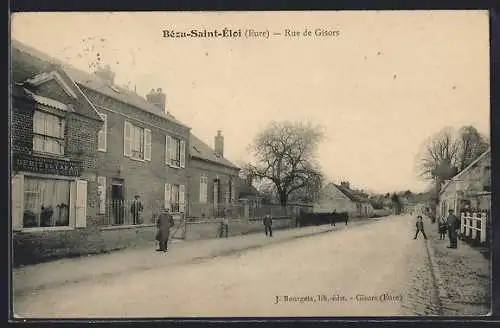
x,y
212,178
53,147
141,150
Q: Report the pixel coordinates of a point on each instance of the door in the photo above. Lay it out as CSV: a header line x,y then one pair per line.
x,y
117,202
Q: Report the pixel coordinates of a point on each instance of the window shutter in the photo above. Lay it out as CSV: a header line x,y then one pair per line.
x,y
127,139
182,199
167,150
201,188
233,192
101,181
17,194
167,196
103,134
81,204
147,144
183,154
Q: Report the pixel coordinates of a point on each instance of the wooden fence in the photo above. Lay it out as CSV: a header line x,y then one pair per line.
x,y
475,226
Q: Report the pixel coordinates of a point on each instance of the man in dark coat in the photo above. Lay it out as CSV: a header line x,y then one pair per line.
x,y
164,223
136,209
420,227
453,225
268,223
224,225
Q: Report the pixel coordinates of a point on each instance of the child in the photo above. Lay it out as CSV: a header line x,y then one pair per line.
x,y
420,227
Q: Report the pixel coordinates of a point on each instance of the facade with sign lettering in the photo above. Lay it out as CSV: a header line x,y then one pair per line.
x,y
49,152
53,143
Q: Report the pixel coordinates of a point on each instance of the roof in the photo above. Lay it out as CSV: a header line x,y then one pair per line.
x,y
246,189
94,82
48,101
351,194
467,169
201,150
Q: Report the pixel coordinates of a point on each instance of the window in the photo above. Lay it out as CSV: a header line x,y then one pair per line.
x,y
48,133
175,197
103,134
216,190
46,203
137,142
232,191
203,190
175,152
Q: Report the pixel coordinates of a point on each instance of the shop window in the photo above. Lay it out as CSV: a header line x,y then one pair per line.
x,y
46,203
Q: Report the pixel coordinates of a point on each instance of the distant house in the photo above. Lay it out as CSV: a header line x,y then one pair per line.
x,y
248,193
211,178
470,189
341,198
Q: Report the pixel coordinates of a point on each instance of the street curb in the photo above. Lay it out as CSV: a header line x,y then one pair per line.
x,y
438,278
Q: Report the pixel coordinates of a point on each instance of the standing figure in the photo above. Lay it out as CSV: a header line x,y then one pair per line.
x,y
442,228
224,229
164,223
268,223
136,209
453,224
420,227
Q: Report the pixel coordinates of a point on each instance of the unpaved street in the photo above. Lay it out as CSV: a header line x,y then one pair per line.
x,y
321,275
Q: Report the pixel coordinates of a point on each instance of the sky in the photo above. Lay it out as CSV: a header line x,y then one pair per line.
x,y
382,86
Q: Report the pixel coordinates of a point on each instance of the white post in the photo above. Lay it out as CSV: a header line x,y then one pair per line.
x,y
474,225
468,220
462,223
483,227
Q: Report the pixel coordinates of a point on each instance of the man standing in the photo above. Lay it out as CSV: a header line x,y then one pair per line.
x,y
453,225
420,227
164,223
136,209
224,230
268,222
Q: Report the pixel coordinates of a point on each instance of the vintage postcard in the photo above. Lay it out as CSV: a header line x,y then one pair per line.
x,y
250,164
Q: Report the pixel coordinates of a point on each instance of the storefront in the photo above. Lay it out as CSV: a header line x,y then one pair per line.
x,y
47,194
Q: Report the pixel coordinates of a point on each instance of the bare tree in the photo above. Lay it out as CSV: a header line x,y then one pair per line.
x,y
440,156
310,192
471,145
285,155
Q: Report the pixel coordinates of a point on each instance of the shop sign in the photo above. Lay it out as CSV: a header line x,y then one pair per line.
x,y
45,165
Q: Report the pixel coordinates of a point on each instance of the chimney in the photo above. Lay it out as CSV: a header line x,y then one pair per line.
x,y
219,143
345,184
157,98
106,74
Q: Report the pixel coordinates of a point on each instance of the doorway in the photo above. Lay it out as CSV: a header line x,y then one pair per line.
x,y
117,201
